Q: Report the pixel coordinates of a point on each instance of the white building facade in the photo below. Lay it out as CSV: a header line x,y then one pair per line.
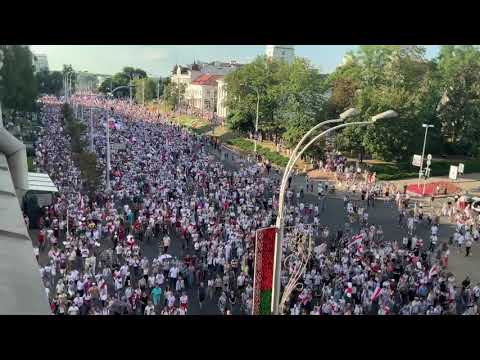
x,y
221,99
280,52
202,93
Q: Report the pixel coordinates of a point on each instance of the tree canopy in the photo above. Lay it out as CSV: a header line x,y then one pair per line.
x,y
18,87
123,78
50,82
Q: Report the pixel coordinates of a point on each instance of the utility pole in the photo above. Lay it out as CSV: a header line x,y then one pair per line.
x,y
426,126
143,92
130,90
91,130
108,152
256,122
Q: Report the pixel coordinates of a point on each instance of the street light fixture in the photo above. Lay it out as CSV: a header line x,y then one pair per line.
x,y
277,302
346,114
420,172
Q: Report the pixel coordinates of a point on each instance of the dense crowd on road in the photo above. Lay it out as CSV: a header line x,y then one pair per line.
x,y
176,231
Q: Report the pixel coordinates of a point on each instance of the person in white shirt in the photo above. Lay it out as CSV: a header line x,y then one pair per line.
x,y
149,309
184,302
166,243
73,310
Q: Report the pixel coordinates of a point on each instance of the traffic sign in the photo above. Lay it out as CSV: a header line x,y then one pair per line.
x,y
417,160
453,172
461,167
429,157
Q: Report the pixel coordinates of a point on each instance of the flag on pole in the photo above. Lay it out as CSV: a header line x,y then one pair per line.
x,y
264,270
357,239
433,271
376,293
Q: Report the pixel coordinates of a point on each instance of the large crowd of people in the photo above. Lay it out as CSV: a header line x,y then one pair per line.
x,y
176,231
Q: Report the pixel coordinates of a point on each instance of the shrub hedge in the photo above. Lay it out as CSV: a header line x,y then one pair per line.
x,y
399,171
247,146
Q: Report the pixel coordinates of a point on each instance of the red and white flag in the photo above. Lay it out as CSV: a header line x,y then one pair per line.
x,y
433,271
376,293
357,239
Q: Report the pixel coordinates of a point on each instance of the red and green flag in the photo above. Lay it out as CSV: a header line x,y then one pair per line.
x,y
264,271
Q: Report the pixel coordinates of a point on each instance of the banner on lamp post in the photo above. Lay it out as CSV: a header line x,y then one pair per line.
x,y
265,241
417,160
453,172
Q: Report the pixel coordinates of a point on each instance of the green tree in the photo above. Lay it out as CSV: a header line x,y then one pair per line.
x,y
50,82
123,78
291,98
18,88
146,90
382,78
459,107
173,94
68,69
89,170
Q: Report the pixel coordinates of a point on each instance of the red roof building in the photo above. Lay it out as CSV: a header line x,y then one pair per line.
x,y
207,79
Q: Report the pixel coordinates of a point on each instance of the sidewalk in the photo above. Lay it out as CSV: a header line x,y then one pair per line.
x,y
469,182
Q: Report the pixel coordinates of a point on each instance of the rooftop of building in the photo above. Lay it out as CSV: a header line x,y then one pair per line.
x,y
207,79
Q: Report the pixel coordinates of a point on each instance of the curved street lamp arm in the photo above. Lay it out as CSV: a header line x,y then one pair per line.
x,y
281,210
326,132
289,164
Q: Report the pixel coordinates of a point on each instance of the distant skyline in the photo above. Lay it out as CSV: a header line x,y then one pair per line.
x,y
158,60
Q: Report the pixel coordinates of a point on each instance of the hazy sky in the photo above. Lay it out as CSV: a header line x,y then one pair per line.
x,y
158,60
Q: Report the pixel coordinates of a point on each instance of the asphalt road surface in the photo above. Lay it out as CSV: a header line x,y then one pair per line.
x,y
333,216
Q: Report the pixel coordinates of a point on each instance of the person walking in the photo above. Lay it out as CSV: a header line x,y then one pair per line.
x,y
201,295
468,246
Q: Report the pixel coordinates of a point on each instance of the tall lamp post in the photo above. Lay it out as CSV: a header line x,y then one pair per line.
x,y
69,84
277,303
420,172
108,152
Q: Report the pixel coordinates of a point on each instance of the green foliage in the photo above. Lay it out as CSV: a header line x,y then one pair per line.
x,y
247,146
173,94
290,98
88,169
74,129
459,108
50,82
30,163
146,90
123,78
72,78
404,170
18,87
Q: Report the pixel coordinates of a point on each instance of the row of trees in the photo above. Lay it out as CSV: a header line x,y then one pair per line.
x,y
444,91
87,161
18,86
291,98
144,88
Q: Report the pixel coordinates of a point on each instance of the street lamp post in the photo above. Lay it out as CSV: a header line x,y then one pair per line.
x,y
256,122
69,84
91,130
277,305
108,153
426,126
